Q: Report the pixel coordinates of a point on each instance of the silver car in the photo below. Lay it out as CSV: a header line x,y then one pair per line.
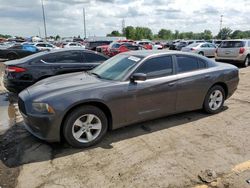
x,y
205,49
234,51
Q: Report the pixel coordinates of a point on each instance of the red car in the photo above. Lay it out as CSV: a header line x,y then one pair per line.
x,y
116,48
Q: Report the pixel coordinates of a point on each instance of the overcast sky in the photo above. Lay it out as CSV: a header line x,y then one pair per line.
x,y
65,17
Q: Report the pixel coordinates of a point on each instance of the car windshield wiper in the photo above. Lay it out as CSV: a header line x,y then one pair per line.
x,y
97,75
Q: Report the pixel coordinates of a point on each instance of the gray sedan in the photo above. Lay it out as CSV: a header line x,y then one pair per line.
x,y
205,49
130,87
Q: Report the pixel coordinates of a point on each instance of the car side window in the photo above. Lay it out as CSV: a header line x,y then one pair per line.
x,y
91,57
157,67
186,63
50,58
70,57
64,57
202,63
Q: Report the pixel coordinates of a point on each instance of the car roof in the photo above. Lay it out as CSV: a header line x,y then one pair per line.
x,y
147,53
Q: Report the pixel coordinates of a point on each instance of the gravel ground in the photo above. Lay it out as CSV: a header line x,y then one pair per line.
x,y
167,152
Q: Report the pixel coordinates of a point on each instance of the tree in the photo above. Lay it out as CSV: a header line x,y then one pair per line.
x,y
224,33
129,32
165,34
176,34
57,37
114,33
207,35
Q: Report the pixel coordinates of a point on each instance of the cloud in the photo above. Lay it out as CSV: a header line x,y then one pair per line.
x,y
65,17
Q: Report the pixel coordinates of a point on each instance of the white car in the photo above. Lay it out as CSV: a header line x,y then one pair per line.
x,y
45,46
73,45
205,49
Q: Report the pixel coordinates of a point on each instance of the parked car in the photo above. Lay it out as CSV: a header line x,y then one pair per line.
x,y
205,49
129,88
91,45
22,73
149,45
72,45
235,51
18,51
116,48
44,46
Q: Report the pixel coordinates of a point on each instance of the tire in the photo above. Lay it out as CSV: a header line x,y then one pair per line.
x,y
213,104
12,56
201,53
246,62
78,126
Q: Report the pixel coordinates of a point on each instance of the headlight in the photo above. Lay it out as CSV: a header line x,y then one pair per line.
x,y
42,107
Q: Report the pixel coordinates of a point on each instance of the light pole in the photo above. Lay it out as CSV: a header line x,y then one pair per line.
x,y
44,21
84,23
221,17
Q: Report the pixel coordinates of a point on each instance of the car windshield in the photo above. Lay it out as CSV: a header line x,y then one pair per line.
x,y
116,67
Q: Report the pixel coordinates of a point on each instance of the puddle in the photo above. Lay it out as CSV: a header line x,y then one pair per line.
x,y
9,114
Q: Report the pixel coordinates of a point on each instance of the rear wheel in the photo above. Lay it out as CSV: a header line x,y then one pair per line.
x,y
201,53
214,100
12,56
246,62
85,126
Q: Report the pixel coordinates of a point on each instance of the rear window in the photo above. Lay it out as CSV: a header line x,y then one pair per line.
x,y
187,63
232,44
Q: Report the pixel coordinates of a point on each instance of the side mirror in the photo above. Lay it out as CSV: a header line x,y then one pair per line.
x,y
138,77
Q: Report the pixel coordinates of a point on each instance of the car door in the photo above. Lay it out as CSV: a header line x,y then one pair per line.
x,y
193,82
212,49
156,96
205,48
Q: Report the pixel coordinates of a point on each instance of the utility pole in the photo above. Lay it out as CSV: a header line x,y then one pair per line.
x,y
221,17
44,21
84,23
123,26
39,32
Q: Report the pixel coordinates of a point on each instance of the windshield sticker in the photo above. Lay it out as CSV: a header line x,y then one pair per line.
x,y
133,58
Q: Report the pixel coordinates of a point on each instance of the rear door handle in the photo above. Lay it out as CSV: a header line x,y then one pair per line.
x,y
171,84
207,76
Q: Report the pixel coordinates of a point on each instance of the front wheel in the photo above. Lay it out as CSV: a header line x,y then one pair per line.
x,y
214,100
246,62
85,126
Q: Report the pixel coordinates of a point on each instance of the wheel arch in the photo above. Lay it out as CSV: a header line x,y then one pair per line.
x,y
223,85
97,104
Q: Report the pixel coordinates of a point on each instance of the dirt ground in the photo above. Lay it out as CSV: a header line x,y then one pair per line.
x,y
167,152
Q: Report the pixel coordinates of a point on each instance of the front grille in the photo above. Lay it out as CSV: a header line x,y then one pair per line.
x,y
21,106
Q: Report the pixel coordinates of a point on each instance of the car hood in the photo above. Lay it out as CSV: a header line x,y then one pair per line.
x,y
66,83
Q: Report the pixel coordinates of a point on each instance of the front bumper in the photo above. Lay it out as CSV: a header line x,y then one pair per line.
x,y
44,126
41,127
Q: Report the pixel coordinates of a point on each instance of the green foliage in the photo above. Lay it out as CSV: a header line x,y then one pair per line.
x,y
114,34
224,33
5,36
165,34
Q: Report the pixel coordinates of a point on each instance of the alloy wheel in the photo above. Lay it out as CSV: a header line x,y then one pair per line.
x,y
86,128
215,100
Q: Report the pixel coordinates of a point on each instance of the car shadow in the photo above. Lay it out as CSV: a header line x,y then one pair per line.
x,y
18,146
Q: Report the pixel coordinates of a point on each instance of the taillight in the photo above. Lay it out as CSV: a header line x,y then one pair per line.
x,y
15,69
192,49
242,50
